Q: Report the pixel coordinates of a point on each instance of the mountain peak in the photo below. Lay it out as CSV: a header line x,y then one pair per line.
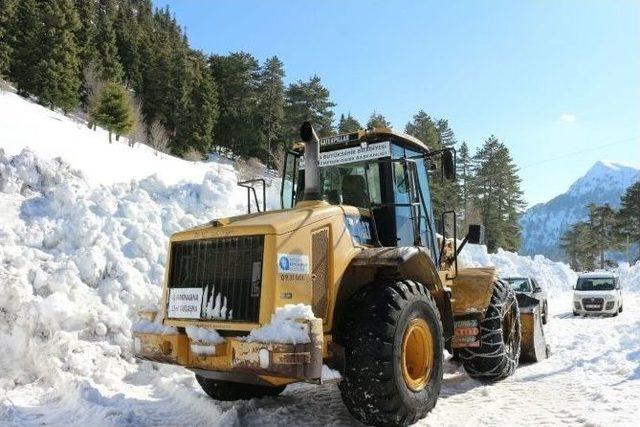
x,y
611,166
544,224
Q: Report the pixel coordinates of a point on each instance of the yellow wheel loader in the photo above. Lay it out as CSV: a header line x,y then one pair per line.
x,y
356,244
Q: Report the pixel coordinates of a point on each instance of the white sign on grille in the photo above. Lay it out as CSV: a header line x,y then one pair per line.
x,y
185,303
353,154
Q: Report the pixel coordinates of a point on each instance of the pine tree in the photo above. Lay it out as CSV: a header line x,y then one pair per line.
x,y
348,124
113,110
464,176
423,127
87,51
199,112
497,195
128,40
109,66
628,216
576,243
86,32
236,77
271,105
57,73
449,190
307,101
166,73
7,15
26,28
603,231
377,120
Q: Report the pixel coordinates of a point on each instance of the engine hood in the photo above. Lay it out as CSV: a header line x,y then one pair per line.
x,y
272,222
594,294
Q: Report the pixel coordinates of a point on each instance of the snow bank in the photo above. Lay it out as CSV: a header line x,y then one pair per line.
x,y
555,277
77,261
283,327
629,276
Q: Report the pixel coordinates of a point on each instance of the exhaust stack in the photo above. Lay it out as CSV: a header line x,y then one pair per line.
x,y
311,162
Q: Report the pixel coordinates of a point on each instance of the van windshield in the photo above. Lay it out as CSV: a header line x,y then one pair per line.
x,y
595,284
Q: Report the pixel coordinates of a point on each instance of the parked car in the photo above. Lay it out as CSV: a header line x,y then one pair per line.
x,y
530,287
597,293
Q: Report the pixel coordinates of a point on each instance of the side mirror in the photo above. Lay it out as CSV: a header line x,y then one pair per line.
x,y
475,235
448,165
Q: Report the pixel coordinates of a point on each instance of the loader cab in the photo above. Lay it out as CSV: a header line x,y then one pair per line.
x,y
381,172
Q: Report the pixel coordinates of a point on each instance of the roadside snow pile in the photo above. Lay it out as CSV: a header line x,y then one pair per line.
x,y
629,276
555,277
284,327
77,262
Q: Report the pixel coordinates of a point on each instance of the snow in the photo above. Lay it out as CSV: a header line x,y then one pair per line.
x,y
146,327
81,252
25,124
329,374
204,335
285,326
554,277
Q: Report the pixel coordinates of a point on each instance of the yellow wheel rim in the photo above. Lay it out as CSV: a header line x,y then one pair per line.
x,y
417,354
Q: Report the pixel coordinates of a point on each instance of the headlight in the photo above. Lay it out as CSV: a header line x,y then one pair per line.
x,y
609,297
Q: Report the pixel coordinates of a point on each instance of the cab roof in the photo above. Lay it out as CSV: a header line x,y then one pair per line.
x,y
375,134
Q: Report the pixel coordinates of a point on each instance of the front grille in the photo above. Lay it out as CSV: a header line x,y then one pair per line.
x,y
592,304
319,271
227,269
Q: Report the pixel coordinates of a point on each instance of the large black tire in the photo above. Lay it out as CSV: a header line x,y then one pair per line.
x,y
374,331
500,336
230,391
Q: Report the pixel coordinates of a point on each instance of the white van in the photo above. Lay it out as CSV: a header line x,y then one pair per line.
x,y
597,293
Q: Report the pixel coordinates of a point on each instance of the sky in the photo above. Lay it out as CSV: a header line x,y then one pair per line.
x,y
557,81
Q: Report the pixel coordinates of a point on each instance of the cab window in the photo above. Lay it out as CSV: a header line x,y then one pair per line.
x,y
347,184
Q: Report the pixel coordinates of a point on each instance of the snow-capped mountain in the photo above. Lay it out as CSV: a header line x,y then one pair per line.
x,y
544,224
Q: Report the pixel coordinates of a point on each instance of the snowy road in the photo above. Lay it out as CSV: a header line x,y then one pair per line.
x,y
592,377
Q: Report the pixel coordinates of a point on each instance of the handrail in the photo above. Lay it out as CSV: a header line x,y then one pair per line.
x,y
250,188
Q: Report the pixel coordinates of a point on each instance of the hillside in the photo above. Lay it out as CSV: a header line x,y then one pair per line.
x,y
79,256
51,134
544,224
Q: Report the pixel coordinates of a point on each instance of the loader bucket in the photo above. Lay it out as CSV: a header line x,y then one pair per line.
x,y
533,345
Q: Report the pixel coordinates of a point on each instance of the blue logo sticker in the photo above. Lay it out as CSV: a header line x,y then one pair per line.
x,y
284,263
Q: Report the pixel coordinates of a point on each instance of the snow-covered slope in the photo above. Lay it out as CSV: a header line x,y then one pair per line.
x,y
51,134
78,258
544,224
